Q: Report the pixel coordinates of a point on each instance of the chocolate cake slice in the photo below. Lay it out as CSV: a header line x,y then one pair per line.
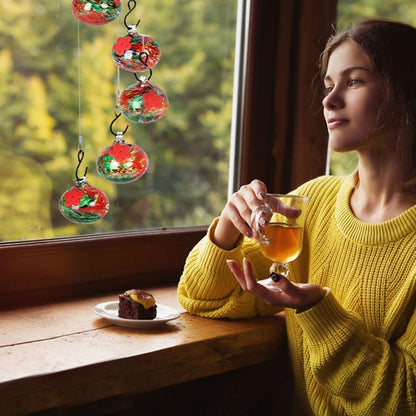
x,y
136,304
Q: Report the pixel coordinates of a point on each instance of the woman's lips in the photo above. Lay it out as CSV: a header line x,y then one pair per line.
x,y
333,123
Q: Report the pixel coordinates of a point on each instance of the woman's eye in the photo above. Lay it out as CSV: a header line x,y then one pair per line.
x,y
328,89
354,82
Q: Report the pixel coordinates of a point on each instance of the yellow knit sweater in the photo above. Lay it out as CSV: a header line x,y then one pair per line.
x,y
354,352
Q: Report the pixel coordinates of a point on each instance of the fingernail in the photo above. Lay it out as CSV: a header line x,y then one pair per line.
x,y
228,262
275,277
249,234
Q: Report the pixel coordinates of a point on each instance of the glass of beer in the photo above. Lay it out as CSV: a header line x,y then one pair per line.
x,y
280,236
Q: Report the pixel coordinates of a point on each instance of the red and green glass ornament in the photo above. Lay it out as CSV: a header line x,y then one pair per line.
x,y
83,203
96,12
143,102
135,52
122,162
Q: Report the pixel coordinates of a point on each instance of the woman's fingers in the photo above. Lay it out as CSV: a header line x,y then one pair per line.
x,y
259,188
284,284
238,273
256,289
236,216
301,296
277,205
248,281
279,291
241,204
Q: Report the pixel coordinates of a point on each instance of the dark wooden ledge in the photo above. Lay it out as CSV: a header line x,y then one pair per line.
x,y
63,355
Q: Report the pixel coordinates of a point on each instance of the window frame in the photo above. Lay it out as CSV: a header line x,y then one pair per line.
x,y
283,45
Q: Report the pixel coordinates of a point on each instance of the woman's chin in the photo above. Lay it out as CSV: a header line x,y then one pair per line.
x,y
341,146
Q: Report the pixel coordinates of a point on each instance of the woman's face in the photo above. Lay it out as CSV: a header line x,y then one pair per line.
x,y
353,106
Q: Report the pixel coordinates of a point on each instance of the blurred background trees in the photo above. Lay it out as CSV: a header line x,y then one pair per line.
x,y
186,183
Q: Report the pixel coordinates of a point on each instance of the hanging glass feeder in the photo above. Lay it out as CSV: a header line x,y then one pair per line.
x,y
122,162
96,12
83,203
143,102
135,52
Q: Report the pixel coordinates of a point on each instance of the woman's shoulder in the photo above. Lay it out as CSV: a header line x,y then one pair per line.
x,y
323,185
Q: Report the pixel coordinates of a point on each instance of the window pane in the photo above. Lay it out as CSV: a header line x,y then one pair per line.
x,y
188,149
349,11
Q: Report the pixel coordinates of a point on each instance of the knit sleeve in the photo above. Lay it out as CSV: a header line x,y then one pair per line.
x,y
367,373
208,288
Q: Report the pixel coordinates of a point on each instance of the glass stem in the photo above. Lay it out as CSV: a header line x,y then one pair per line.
x,y
279,268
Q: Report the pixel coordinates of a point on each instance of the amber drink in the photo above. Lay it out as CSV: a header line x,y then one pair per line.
x,y
282,235
285,242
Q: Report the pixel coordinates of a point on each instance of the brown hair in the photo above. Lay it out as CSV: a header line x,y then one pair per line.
x,y
392,48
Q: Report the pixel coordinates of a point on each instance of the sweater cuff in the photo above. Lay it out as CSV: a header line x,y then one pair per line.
x,y
327,322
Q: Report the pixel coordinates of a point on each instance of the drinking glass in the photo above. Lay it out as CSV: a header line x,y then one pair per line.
x,y
280,236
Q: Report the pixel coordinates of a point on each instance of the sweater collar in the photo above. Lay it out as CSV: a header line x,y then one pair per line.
x,y
370,234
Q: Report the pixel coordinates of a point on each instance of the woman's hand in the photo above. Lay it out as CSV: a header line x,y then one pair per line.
x,y
300,296
235,218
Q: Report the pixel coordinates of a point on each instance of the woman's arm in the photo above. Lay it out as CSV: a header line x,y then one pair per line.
x,y
207,286
368,373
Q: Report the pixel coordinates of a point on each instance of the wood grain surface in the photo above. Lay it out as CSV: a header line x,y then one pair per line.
x,y
63,354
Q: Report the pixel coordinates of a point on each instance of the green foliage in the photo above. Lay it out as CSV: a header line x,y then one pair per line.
x,y
186,183
188,149
350,11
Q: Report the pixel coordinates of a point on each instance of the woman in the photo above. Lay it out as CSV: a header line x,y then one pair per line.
x,y
350,303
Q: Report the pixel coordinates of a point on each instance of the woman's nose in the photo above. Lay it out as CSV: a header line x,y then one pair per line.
x,y
333,100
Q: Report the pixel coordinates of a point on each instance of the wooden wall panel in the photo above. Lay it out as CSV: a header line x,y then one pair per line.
x,y
284,138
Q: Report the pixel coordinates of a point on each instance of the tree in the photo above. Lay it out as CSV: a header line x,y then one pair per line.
x,y
186,183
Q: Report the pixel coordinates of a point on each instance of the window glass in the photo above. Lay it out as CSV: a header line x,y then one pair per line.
x,y
188,149
350,11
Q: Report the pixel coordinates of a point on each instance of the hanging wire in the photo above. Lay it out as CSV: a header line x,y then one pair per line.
x,y
118,68
142,29
116,113
80,155
80,140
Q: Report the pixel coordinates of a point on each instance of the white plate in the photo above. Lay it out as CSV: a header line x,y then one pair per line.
x,y
109,311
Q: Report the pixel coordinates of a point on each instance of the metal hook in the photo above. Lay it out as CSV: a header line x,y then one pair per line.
x,y
140,79
144,57
80,157
131,5
114,120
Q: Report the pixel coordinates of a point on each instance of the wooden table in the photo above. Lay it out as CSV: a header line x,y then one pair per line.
x,y
64,355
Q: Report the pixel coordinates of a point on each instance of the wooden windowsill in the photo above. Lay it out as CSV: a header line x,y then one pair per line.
x,y
62,354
